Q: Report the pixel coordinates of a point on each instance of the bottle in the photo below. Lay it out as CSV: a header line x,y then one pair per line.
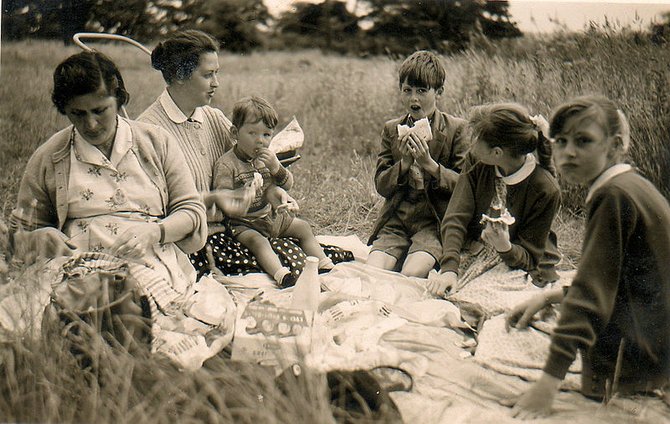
x,y
308,287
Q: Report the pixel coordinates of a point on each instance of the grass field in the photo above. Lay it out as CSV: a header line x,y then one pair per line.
x,y
341,103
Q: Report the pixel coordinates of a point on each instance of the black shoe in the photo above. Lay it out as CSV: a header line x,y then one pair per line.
x,y
288,280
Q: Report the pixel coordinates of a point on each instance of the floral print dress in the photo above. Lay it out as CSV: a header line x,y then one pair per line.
x,y
108,196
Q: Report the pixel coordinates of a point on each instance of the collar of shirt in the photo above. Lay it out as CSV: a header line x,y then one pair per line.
x,y
522,173
123,141
175,114
607,175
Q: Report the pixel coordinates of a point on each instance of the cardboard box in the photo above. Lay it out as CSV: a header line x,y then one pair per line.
x,y
271,335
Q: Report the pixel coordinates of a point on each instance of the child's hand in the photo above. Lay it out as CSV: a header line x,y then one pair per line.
x,y
417,147
269,159
280,199
441,284
287,203
523,313
407,159
497,235
420,151
541,124
537,401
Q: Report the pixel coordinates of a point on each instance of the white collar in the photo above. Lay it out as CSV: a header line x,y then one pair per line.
x,y
123,141
522,173
174,113
605,176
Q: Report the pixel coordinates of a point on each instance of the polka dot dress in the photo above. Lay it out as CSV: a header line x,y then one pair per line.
x,y
232,258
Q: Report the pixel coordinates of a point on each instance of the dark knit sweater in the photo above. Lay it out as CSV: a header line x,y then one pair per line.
x,y
533,203
622,289
447,148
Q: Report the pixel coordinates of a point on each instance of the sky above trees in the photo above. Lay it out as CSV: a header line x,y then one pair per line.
x,y
541,15
537,15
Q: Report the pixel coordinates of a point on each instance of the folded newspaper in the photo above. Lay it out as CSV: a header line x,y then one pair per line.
x,y
290,138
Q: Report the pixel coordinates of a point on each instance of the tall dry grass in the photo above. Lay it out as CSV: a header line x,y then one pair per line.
x,y
341,104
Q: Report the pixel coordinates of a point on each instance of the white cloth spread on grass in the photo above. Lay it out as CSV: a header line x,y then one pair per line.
x,y
374,317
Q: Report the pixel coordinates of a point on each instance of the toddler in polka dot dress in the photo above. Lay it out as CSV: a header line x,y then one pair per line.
x,y
255,171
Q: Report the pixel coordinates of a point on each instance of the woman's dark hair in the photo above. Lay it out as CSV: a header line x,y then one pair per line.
x,y
179,55
509,126
86,73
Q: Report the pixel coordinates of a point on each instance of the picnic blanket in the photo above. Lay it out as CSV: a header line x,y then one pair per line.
x,y
370,318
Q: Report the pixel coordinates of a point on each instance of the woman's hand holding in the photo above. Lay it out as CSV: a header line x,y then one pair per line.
x,y
537,401
47,243
497,235
136,240
269,159
441,284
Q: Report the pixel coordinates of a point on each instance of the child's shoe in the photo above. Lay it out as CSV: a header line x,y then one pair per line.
x,y
325,265
289,280
285,278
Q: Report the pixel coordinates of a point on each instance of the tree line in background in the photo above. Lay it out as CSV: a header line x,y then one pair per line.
x,y
373,27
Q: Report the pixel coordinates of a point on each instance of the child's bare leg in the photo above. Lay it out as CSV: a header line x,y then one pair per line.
x,y
418,264
383,260
261,248
301,230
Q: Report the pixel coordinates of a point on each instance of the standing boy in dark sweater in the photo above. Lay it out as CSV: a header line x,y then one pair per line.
x,y
617,309
417,168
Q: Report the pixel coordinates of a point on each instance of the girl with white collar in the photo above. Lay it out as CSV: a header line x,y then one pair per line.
x,y
617,309
506,197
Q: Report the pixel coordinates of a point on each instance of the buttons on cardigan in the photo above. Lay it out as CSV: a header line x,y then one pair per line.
x,y
203,152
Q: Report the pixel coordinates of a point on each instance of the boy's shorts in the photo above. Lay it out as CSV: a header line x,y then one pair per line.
x,y
270,225
398,239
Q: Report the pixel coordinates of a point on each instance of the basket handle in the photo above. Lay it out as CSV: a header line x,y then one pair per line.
x,y
104,36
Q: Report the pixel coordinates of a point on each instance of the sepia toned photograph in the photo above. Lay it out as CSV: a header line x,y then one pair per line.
x,y
335,211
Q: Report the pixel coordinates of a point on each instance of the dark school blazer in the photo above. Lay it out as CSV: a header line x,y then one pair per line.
x,y
448,148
